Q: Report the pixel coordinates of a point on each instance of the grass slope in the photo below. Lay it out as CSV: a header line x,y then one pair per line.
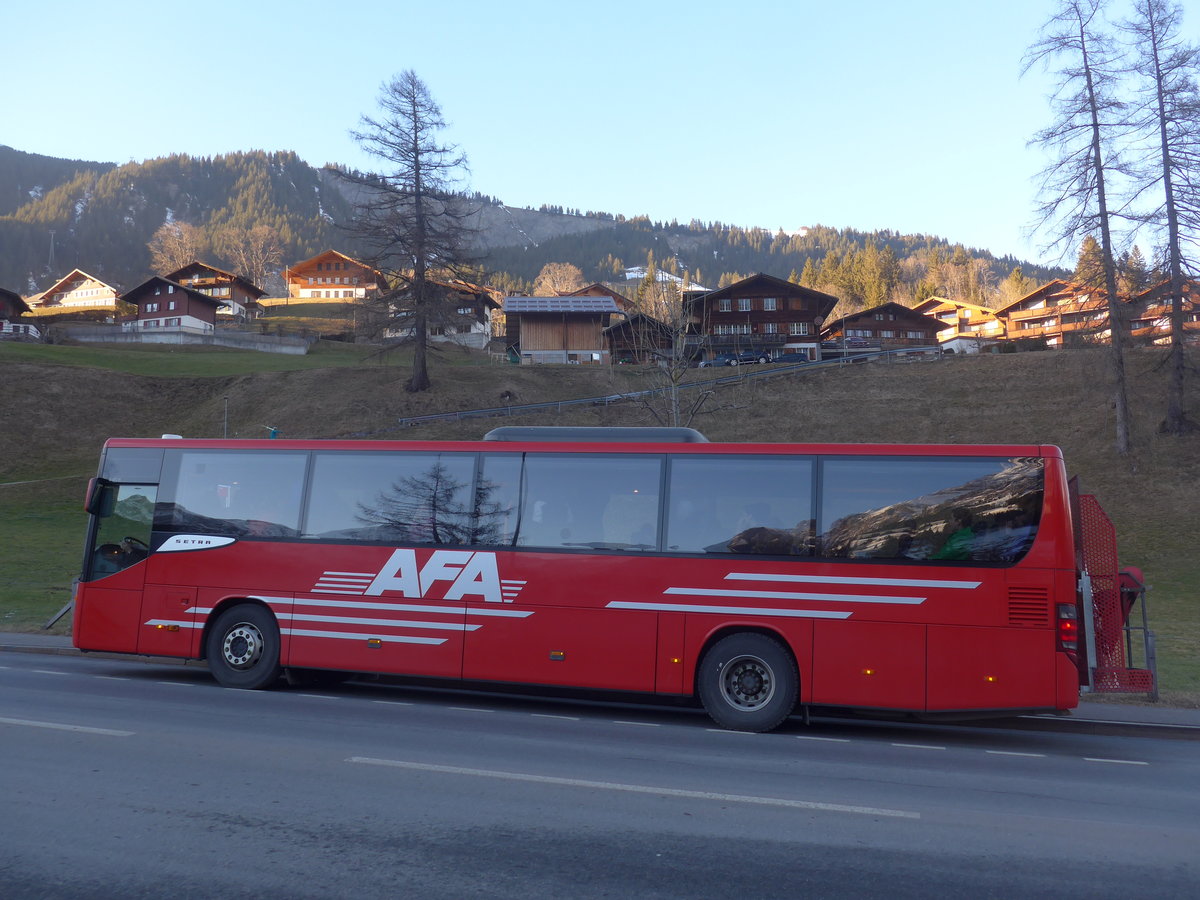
x,y
62,402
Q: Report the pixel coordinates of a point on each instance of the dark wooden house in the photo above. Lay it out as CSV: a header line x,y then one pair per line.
x,y
164,304
240,296
889,326
559,329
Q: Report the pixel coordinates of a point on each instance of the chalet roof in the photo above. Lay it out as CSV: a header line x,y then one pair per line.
x,y
560,305
179,275
72,276
902,313
143,290
597,289
1057,286
769,284
645,321
328,254
933,302
14,300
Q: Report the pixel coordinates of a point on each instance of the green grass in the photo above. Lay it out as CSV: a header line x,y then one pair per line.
x,y
194,362
42,533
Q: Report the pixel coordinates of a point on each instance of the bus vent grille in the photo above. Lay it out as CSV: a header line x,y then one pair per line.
x,y
1028,606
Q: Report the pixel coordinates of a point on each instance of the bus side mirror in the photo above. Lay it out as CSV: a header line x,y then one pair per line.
x,y
100,498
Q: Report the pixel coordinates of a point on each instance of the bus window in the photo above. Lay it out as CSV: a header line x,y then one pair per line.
x,y
400,498
944,509
758,505
242,494
122,535
598,502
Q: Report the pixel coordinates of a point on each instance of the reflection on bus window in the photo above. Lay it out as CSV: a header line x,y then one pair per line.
x,y
597,502
239,494
759,505
984,510
123,531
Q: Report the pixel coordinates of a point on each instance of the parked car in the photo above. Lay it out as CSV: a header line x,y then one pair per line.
x,y
743,358
797,357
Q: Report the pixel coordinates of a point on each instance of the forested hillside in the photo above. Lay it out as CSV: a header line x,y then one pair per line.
x,y
56,215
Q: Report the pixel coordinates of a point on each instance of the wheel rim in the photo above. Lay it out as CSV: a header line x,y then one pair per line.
x,y
243,646
747,683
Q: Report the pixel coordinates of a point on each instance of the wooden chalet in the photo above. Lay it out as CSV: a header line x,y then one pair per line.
x,y
238,295
12,307
78,290
1150,314
1059,313
972,326
889,326
464,318
165,305
759,313
639,338
559,329
333,276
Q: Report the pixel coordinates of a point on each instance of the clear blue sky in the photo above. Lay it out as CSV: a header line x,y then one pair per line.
x,y
872,114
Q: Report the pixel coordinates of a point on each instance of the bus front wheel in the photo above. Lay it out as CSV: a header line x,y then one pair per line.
x,y
243,648
748,682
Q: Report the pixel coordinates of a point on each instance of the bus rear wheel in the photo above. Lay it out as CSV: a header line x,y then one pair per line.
x,y
243,648
748,682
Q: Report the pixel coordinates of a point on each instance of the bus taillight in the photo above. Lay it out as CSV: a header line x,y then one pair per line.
x,y
1068,629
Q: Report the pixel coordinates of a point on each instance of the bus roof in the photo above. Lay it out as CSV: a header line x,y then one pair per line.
x,y
599,444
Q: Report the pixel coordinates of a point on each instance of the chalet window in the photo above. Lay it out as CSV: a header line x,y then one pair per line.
x,y
466,311
726,305
915,335
157,290
151,307
770,304
797,328
887,333
879,316
170,304
310,279
770,328
172,322
744,304
319,266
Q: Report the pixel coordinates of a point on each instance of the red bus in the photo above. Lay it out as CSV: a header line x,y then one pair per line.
x,y
760,578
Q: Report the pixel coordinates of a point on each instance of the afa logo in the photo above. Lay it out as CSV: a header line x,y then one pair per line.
x,y
468,574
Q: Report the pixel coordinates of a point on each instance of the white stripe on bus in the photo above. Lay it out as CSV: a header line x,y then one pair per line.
x,y
735,610
787,595
352,636
840,579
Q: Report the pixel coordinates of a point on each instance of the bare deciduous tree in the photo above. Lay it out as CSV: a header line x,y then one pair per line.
x,y
1075,201
174,245
255,253
558,278
1170,111
412,224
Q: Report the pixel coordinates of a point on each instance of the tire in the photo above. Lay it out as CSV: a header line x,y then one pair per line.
x,y
764,359
243,648
748,682
732,362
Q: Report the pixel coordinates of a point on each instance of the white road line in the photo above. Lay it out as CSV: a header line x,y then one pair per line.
x,y
638,788
548,716
805,737
643,724
50,672
178,683
919,746
57,726
1120,762
392,702
469,709
1014,753
318,696
111,677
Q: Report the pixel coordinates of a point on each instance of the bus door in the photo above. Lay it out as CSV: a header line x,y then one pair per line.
x,y
108,607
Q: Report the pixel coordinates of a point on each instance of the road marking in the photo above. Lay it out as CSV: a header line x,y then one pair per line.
x,y
178,683
392,702
805,737
548,716
469,709
112,677
643,724
919,746
638,788
318,696
50,672
1120,762
1014,753
58,726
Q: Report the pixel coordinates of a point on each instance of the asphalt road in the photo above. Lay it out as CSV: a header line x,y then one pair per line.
x,y
126,779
